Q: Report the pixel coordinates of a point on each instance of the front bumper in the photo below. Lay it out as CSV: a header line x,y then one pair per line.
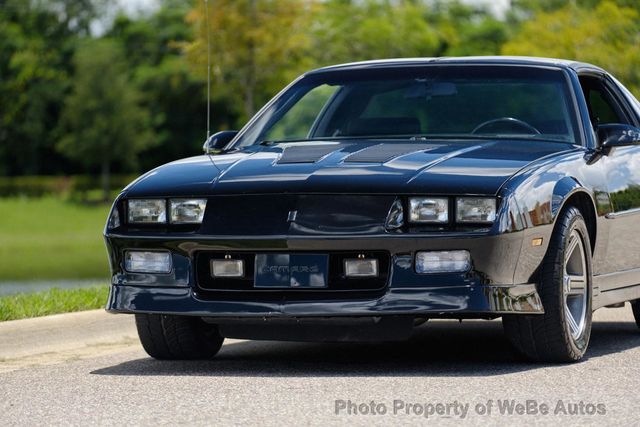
x,y
485,291
434,302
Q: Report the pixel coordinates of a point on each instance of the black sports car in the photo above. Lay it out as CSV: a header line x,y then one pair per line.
x,y
367,198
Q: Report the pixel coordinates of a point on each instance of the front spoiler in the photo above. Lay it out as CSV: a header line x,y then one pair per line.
x,y
446,301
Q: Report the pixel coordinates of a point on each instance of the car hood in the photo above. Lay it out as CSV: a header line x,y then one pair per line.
x,y
364,167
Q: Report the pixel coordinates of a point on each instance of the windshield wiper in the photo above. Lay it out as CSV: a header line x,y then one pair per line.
x,y
271,142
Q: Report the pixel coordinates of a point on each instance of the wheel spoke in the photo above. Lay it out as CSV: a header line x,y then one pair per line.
x,y
577,285
571,247
572,322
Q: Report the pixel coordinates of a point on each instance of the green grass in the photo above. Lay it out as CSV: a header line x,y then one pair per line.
x,y
53,301
50,238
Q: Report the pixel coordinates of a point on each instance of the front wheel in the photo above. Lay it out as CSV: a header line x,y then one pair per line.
x,y
562,333
177,337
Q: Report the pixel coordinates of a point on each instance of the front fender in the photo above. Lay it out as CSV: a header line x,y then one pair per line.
x,y
536,197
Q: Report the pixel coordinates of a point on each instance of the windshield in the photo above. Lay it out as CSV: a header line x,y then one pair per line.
x,y
421,103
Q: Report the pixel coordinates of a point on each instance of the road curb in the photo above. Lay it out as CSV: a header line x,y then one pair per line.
x,y
61,333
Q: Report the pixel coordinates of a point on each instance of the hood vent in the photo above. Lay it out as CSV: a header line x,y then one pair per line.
x,y
308,153
383,153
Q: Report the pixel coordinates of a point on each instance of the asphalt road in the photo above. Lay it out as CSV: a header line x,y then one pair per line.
x,y
459,366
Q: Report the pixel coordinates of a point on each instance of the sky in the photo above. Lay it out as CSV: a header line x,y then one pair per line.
x,y
135,6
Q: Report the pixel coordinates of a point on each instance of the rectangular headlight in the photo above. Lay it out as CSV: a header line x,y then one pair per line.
x,y
147,211
187,211
443,262
476,209
147,262
429,210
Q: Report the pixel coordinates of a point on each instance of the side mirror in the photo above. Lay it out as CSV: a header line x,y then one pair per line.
x,y
612,135
218,141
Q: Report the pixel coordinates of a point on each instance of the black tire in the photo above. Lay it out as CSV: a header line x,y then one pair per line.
x,y
548,337
177,337
635,306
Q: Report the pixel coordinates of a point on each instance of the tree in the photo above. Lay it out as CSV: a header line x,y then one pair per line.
x,y
174,95
607,35
36,42
465,29
347,31
256,47
102,121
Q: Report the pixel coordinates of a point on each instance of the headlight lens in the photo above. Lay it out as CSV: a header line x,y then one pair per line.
x,y
187,211
476,209
147,211
428,210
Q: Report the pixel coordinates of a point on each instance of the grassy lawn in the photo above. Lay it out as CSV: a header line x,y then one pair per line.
x,y
53,301
49,238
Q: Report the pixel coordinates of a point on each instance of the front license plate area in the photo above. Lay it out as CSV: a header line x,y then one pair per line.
x,y
291,271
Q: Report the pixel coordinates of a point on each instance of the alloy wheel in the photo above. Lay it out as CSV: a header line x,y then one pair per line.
x,y
574,284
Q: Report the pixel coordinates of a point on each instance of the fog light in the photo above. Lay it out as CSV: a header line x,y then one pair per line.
x,y
147,262
361,267
227,268
443,262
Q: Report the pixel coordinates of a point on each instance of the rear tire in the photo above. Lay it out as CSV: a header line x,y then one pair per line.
x,y
177,337
635,306
562,333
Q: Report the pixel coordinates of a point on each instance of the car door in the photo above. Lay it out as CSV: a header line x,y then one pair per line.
x,y
609,102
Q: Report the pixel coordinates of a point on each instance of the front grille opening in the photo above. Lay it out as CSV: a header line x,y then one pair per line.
x,y
337,282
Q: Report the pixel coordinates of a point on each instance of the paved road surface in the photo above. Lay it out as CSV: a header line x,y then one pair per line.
x,y
105,378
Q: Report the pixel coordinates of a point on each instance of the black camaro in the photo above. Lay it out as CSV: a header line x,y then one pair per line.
x,y
367,198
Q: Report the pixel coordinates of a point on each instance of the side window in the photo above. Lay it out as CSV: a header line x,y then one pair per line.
x,y
631,100
603,107
602,110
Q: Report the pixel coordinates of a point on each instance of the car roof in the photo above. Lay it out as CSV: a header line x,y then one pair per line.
x,y
480,60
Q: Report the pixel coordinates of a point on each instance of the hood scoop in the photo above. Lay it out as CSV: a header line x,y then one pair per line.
x,y
382,153
308,153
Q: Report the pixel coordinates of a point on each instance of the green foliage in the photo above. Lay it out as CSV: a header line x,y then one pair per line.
x,y
173,95
102,121
626,199
355,31
75,187
53,301
256,45
135,96
607,35
36,44
51,239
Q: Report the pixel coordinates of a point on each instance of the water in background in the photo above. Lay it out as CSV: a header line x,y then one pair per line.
x,y
11,288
